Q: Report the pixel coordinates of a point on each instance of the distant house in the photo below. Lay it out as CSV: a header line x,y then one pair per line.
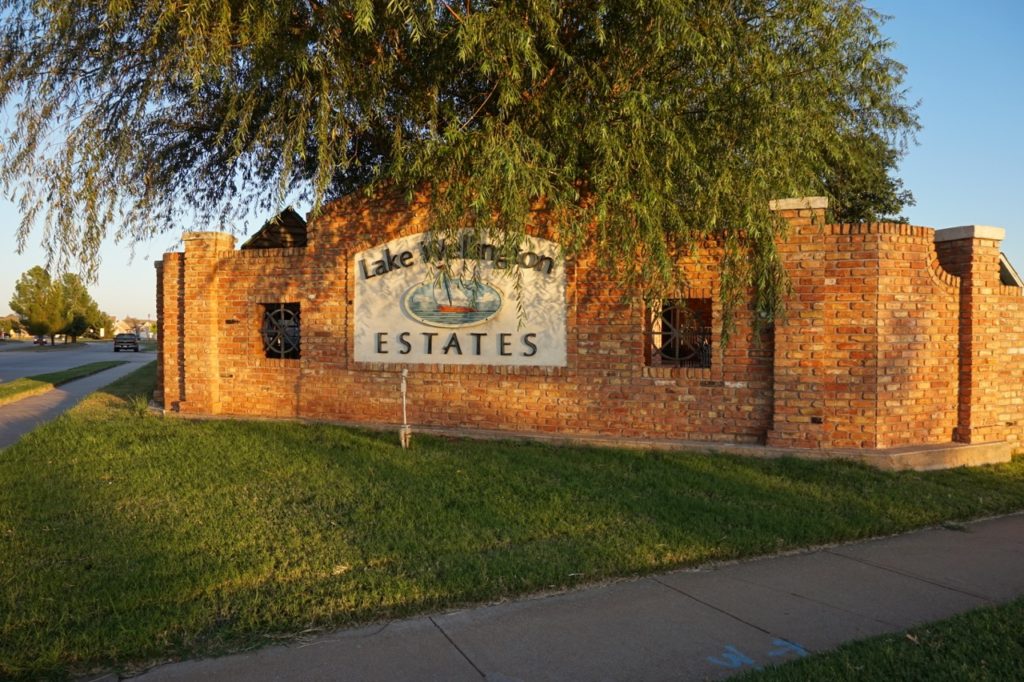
x,y
146,329
133,325
287,229
122,327
20,333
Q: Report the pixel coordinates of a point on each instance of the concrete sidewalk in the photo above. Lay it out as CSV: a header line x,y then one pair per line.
x,y
685,625
20,417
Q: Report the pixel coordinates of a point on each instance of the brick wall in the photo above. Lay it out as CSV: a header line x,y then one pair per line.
x,y
866,357
991,326
1008,368
917,311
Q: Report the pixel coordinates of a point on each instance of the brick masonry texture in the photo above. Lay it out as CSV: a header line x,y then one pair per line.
x,y
889,339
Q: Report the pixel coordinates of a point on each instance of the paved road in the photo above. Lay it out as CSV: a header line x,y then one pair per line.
x,y
686,625
18,418
41,360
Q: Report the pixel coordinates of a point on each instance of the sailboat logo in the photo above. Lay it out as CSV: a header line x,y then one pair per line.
x,y
453,302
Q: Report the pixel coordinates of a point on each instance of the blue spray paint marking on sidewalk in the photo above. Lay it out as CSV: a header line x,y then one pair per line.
x,y
787,648
733,659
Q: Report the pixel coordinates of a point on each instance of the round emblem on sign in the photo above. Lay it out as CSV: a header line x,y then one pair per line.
x,y
452,302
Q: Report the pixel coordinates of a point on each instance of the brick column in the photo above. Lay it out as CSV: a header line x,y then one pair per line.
x,y
170,384
972,253
799,337
204,252
158,390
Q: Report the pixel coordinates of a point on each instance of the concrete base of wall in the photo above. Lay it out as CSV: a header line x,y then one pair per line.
x,y
910,457
929,457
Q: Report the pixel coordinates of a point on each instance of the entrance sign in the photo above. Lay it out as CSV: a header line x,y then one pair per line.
x,y
407,311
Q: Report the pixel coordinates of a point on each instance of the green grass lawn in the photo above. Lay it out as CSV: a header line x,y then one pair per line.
x,y
126,538
987,644
41,383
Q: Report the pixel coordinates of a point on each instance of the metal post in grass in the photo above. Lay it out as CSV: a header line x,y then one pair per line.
x,y
405,433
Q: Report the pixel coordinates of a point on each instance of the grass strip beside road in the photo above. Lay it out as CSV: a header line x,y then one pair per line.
x,y
985,644
27,387
127,538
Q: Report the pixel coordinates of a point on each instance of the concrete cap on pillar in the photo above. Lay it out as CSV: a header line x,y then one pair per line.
x,y
798,203
970,232
209,241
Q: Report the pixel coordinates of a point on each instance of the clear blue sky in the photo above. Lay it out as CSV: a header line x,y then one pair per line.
x,y
966,66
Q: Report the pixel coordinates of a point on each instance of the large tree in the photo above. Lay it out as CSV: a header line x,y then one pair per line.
x,y
37,302
643,126
49,306
77,308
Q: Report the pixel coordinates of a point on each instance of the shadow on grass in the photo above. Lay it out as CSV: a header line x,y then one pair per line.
x,y
128,538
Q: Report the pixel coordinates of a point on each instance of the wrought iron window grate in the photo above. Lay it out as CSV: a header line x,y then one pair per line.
x,y
281,330
679,333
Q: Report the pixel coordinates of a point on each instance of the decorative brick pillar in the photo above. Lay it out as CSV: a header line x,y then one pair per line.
x,y
161,312
204,252
799,364
158,390
170,380
972,253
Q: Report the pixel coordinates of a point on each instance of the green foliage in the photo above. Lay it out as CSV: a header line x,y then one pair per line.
x,y
49,307
78,326
859,192
981,645
102,326
37,301
643,127
139,404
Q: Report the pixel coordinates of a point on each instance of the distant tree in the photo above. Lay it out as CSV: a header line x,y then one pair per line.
x,y
862,186
48,307
78,308
37,302
78,326
101,325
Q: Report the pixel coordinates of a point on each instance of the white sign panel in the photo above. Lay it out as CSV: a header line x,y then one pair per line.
x,y
406,311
